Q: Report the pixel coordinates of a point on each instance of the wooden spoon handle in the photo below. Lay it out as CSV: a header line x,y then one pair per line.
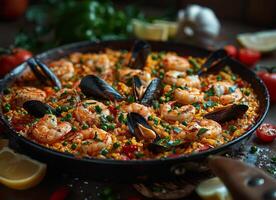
x,y
242,180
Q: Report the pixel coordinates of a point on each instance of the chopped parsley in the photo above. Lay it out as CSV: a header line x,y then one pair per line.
x,y
84,126
130,99
177,130
210,92
7,107
196,105
155,104
98,109
209,104
116,145
232,128
122,119
219,78
104,152
74,146
202,131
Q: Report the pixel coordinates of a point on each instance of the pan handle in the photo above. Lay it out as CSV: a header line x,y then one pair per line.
x,y
242,180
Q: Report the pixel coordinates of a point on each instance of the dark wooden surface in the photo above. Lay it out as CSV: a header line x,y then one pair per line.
x,y
89,189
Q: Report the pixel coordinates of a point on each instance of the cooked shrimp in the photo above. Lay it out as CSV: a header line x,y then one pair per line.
x,y
63,69
184,113
95,140
28,93
206,128
138,108
89,111
47,130
125,74
174,62
227,92
180,79
188,96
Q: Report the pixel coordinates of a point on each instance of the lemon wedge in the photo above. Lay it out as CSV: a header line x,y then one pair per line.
x,y
18,171
213,189
264,41
149,31
170,25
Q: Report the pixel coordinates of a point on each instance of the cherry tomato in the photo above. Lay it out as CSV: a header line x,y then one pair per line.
x,y
231,50
60,194
270,82
12,59
249,56
266,132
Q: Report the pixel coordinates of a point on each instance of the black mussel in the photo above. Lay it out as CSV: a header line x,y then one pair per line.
x,y
140,129
43,73
214,61
152,92
38,109
93,86
139,54
138,89
227,113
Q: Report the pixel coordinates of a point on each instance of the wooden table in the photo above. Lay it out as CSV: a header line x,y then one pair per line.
x,y
88,189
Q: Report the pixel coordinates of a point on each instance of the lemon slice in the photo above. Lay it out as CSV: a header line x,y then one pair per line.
x,y
261,41
18,171
3,143
213,189
148,31
171,26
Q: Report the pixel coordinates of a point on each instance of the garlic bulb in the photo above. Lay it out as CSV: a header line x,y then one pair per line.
x,y
198,21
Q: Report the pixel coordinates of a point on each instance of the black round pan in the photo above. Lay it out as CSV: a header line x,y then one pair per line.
x,y
107,169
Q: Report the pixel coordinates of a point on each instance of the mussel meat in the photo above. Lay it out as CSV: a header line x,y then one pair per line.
x,y
38,109
227,113
93,86
139,54
43,73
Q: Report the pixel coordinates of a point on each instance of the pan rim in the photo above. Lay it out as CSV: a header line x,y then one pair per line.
x,y
181,158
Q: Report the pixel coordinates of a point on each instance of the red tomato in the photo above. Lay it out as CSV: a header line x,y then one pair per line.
x,y
60,194
129,150
15,58
12,9
231,50
270,82
266,132
249,56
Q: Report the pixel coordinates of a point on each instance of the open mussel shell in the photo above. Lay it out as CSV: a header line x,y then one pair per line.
x,y
43,73
152,92
135,121
38,109
139,54
227,113
215,62
93,86
137,87
217,67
